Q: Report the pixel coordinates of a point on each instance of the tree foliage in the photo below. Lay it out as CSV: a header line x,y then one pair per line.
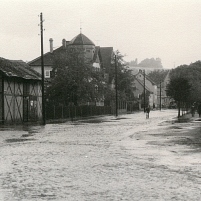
x,y
179,89
76,81
124,80
133,62
192,73
158,75
185,84
153,63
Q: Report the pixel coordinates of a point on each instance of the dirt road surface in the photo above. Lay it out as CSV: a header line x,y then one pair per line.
x,y
103,159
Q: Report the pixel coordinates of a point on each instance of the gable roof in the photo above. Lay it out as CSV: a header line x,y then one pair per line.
x,y
18,68
48,58
147,77
141,83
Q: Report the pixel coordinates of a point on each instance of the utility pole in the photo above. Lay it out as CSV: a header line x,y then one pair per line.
x,y
42,70
116,104
160,95
144,93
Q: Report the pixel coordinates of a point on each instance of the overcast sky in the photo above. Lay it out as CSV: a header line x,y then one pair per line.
x,y
170,30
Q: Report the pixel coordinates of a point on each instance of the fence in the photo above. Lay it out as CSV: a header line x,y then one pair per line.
x,y
71,112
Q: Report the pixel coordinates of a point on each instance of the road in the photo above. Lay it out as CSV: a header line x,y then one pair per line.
x,y
103,159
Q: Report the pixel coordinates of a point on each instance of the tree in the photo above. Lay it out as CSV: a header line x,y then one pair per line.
x,y
153,63
124,80
133,62
179,89
158,75
192,73
76,80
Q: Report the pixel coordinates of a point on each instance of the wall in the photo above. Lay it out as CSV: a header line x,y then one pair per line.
x,y
38,69
22,100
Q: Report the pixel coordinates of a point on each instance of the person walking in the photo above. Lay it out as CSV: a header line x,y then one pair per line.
x,y
193,110
199,109
147,112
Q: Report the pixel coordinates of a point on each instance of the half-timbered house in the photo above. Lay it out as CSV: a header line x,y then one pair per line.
x,y
20,92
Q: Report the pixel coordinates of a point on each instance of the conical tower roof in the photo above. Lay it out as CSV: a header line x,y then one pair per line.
x,y
81,39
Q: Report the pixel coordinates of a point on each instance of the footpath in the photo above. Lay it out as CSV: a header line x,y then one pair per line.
x,y
188,117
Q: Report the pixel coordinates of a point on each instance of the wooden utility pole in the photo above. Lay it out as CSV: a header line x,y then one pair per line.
x,y
42,71
116,104
160,95
144,93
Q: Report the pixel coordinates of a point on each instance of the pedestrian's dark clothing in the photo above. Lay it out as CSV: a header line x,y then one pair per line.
x,y
147,112
199,110
193,111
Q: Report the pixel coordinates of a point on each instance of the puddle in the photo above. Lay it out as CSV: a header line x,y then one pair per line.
x,y
93,121
27,135
90,121
175,127
13,140
119,118
197,120
181,121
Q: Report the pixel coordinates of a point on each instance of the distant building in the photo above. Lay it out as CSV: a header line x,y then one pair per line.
x,y
162,94
100,57
20,92
150,87
135,69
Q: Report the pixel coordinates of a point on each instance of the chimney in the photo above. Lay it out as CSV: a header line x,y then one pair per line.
x,y
64,43
51,45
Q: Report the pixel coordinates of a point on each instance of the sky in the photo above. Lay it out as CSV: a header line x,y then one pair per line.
x,y
170,30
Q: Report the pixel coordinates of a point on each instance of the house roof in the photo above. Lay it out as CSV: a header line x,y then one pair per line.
x,y
81,39
104,53
18,68
106,57
147,77
48,58
141,83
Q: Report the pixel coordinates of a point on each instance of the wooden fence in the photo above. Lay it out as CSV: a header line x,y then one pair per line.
x,y
71,112
75,112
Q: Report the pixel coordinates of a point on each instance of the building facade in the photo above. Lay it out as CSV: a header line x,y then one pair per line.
x,y
100,57
20,93
163,99
150,88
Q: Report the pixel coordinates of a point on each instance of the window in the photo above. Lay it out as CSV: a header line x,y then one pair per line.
x,y
47,73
